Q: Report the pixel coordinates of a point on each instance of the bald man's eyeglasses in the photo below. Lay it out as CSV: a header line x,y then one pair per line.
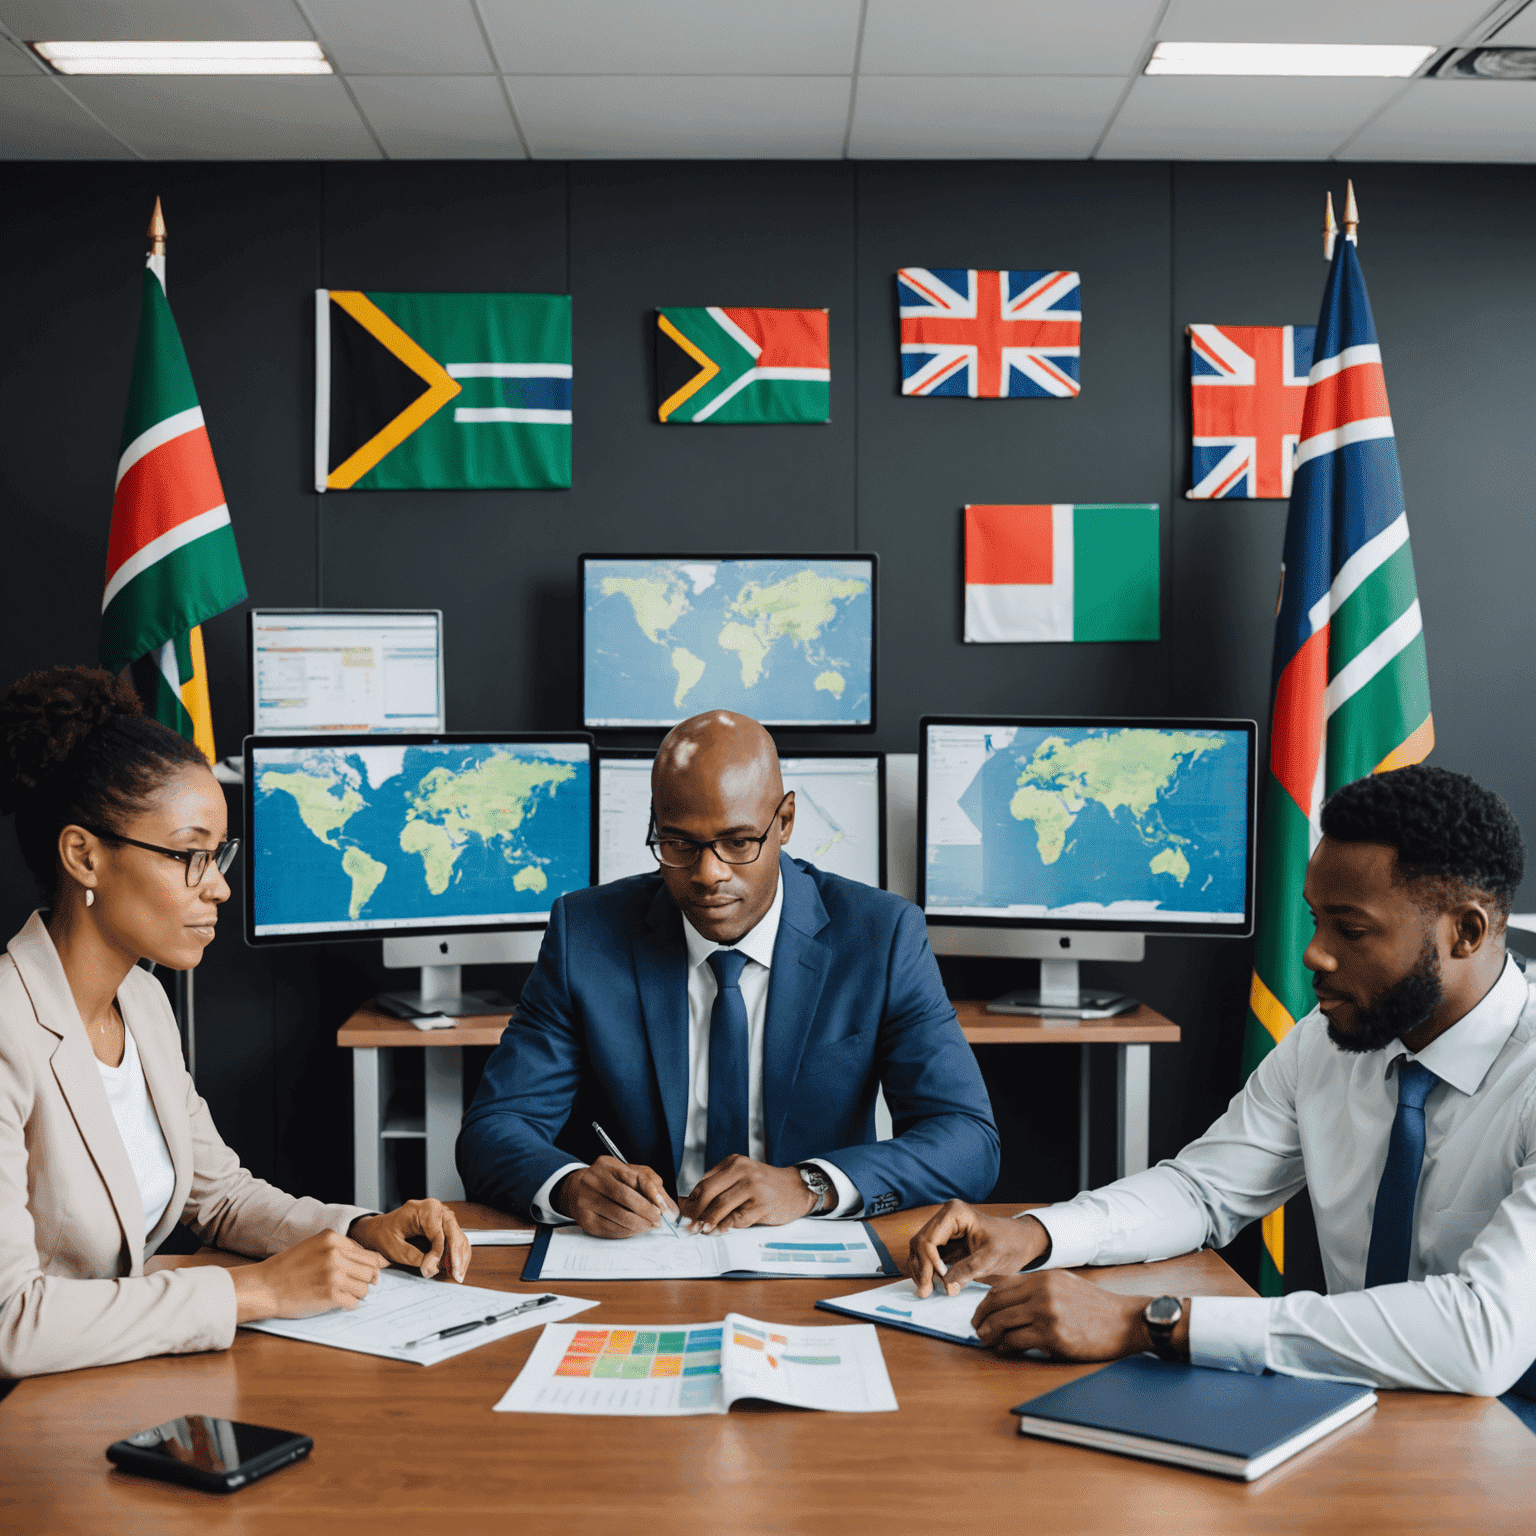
x,y
674,852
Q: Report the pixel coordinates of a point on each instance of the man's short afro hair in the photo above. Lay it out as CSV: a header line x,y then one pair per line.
x,y
1444,826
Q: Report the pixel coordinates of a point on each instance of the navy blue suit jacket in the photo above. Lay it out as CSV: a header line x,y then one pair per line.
x,y
854,1001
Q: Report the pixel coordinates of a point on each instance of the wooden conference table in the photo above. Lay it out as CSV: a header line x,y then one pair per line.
x,y
407,1448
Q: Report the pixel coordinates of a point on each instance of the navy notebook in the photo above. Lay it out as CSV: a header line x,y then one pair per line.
x,y
1216,1421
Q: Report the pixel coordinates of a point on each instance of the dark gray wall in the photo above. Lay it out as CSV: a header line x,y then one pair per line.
x,y
1447,252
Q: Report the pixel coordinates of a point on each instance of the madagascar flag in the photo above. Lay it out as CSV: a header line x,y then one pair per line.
x,y
1061,572
735,365
171,556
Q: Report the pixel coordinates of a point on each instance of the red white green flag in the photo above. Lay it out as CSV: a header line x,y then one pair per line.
x,y
171,556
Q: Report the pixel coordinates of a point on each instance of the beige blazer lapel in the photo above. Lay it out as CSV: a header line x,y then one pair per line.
x,y
165,1077
75,1069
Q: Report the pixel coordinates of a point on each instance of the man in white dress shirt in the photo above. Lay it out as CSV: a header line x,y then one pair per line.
x,y
1405,1103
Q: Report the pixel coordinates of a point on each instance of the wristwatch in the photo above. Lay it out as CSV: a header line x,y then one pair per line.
x,y
818,1184
1162,1316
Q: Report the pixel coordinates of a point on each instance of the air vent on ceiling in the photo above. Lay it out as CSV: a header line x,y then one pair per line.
x,y
1489,64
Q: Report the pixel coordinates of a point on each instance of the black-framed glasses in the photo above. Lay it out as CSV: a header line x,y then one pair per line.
x,y
683,852
195,860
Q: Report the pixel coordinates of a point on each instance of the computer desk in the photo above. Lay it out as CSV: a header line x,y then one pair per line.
x,y
402,1448
373,1038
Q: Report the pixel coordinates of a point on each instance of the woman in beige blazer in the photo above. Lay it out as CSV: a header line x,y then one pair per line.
x,y
124,826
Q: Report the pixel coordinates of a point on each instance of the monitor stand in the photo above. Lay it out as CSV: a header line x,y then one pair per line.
x,y
1059,997
440,997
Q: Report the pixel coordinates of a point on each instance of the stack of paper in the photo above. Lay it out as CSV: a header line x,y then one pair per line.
x,y
939,1314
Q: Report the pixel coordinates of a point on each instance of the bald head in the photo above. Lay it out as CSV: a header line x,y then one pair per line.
x,y
716,776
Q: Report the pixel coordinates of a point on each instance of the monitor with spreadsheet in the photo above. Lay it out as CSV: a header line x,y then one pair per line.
x,y
839,813
329,670
350,837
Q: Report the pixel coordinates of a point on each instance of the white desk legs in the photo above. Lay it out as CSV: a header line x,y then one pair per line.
x,y
367,1124
444,1069
1133,1106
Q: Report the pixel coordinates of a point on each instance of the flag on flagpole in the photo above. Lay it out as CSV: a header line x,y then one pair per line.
x,y
171,556
1061,572
1350,678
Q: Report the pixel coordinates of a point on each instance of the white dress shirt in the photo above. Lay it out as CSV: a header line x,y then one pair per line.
x,y
757,946
139,1126
1311,1114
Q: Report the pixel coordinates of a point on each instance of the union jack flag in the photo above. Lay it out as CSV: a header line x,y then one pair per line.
x,y
1247,386
993,334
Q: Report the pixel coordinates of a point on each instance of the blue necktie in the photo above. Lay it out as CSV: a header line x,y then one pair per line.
x,y
727,1131
1392,1223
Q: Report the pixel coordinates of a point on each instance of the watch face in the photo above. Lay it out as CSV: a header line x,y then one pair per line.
x,y
1165,1311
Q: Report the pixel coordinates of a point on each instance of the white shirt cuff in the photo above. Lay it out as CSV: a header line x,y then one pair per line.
x,y
1074,1234
1230,1333
849,1200
542,1209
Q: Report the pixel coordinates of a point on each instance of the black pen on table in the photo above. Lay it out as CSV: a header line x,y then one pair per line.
x,y
608,1142
479,1322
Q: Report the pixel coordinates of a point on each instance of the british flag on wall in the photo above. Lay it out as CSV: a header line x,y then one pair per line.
x,y
1247,386
992,334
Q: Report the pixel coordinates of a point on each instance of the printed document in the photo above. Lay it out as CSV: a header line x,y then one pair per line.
x,y
807,1250
669,1370
403,1306
900,1306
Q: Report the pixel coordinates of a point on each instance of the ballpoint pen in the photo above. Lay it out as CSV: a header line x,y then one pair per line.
x,y
608,1142
479,1322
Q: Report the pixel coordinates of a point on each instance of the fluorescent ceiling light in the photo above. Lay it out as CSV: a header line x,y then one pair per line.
x,y
141,58
1397,59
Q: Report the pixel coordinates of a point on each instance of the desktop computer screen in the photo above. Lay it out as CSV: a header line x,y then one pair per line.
x,y
1087,823
839,813
787,639
346,670
350,838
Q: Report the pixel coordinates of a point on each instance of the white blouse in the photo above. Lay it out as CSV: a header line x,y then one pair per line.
x,y
139,1126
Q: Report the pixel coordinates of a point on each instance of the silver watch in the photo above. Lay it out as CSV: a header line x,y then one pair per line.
x,y
818,1184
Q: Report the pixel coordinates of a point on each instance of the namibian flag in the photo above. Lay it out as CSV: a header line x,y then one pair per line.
x,y
1061,572
442,391
753,365
1350,678
171,556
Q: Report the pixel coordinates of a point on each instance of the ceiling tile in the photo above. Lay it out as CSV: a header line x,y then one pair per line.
x,y
439,117
17,61
401,37
673,37
987,117
1320,21
170,20
685,117
1454,120
1168,117
1518,33
38,121
184,117
1003,37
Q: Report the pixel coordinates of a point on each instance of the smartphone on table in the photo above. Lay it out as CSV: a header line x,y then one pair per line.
x,y
216,1455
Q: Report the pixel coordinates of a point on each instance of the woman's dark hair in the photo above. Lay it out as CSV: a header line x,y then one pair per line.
x,y
76,748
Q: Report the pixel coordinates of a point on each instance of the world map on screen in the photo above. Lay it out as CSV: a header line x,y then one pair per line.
x,y
1132,823
789,642
381,836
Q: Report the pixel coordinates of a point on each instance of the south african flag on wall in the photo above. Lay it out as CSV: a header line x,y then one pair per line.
x,y
442,391
743,365
1351,680
171,556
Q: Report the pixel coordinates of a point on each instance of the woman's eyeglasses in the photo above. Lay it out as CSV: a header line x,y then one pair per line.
x,y
195,860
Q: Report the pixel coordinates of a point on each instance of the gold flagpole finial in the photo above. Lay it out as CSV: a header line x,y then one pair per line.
x,y
157,231
1351,214
1330,229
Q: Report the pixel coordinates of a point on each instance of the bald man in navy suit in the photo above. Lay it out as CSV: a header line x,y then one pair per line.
x,y
728,1020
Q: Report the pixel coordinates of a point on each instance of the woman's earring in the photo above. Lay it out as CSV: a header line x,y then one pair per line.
x,y
90,897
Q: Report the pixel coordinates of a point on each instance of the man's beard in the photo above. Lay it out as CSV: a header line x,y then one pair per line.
x,y
1400,1010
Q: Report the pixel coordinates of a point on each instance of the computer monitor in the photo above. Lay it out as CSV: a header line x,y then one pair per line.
x,y
839,813
453,840
334,670
787,639
1065,839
